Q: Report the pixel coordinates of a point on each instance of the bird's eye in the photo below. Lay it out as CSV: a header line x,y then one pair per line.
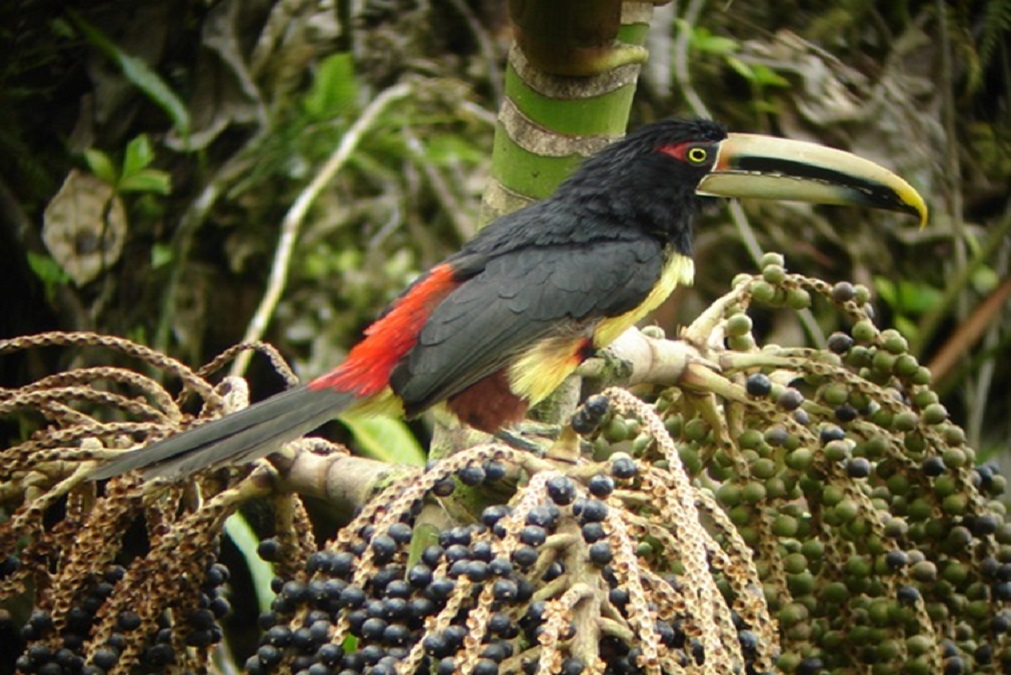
x,y
694,153
697,155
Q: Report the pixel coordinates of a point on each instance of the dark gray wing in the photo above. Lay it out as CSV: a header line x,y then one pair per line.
x,y
519,298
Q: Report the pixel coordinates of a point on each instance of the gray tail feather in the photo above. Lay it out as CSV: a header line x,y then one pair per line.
x,y
241,436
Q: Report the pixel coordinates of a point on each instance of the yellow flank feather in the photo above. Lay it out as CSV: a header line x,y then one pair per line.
x,y
543,367
384,403
679,270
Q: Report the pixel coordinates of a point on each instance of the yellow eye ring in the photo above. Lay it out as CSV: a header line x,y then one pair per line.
x,y
697,155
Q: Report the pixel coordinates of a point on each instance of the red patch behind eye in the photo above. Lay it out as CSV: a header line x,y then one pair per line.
x,y
370,362
677,151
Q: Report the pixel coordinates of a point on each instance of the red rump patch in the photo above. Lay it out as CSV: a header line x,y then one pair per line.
x,y
368,367
489,404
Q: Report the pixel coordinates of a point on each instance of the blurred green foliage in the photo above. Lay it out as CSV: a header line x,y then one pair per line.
x,y
236,106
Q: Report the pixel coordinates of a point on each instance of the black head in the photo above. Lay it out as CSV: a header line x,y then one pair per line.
x,y
647,180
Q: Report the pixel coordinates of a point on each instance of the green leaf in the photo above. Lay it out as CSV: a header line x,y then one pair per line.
x,y
741,68
386,438
444,149
138,155
703,40
767,77
886,290
61,28
161,255
907,297
146,180
334,90
719,45
917,298
907,327
47,269
985,279
242,535
101,165
139,74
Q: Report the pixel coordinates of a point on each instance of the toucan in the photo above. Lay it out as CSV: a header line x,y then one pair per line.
x,y
497,326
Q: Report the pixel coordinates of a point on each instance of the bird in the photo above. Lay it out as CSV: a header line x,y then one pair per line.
x,y
498,325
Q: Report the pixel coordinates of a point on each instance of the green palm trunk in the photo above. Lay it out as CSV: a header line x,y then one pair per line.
x,y
569,85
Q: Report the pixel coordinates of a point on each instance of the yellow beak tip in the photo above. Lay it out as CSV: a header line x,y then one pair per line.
x,y
919,206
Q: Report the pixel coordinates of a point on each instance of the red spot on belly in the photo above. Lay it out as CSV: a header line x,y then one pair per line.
x,y
489,404
367,369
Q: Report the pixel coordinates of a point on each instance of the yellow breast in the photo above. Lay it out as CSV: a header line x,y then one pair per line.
x,y
542,368
679,269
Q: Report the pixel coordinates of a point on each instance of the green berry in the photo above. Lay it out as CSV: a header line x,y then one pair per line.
x,y
764,468
858,566
741,280
832,495
861,294
750,439
788,662
792,614
836,451
696,429
898,484
893,341
741,515
742,343
955,505
834,394
729,494
617,430
846,510
883,362
924,398
763,292
798,298
935,413
919,644
859,357
882,417
774,274
738,325
689,457
800,459
753,493
864,331
906,420
785,526
906,366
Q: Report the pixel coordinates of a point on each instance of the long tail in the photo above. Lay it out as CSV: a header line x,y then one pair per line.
x,y
241,436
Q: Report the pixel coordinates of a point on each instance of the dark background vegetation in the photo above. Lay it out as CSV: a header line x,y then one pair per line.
x,y
205,121
240,103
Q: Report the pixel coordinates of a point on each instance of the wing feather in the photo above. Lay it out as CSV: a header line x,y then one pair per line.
x,y
520,297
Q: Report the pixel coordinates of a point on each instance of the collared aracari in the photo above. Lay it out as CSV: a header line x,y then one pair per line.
x,y
497,326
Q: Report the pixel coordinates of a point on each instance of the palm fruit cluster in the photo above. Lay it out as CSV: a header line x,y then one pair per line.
x,y
880,542
774,509
81,598
563,578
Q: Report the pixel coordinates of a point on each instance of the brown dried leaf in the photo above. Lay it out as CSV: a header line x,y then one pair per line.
x,y
84,226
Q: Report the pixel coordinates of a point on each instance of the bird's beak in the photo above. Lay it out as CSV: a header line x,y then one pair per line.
x,y
763,167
